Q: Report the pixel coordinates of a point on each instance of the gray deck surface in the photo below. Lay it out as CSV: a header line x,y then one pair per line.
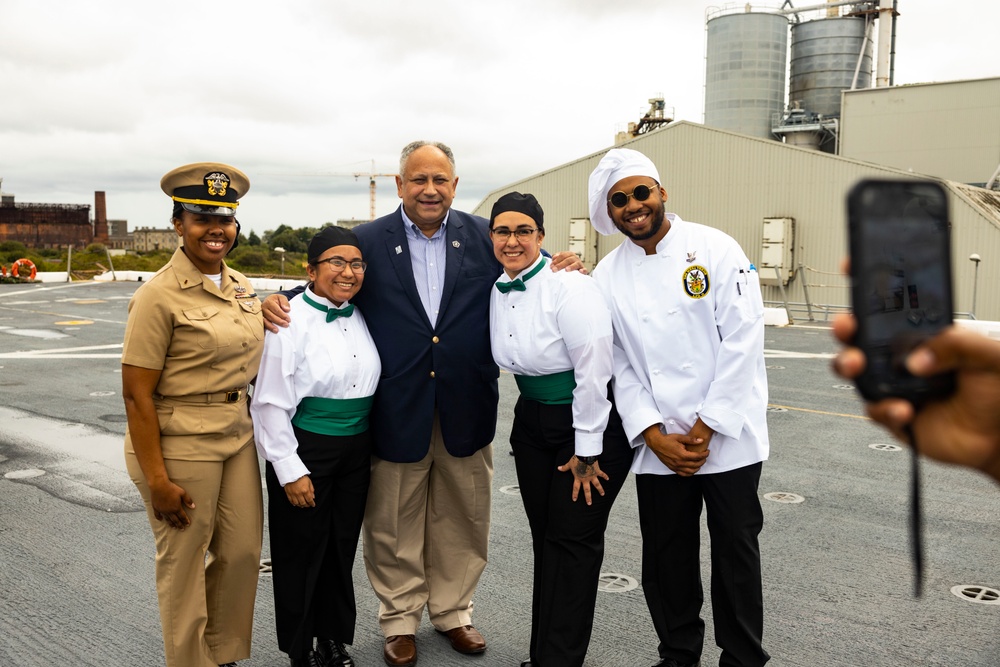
x,y
76,554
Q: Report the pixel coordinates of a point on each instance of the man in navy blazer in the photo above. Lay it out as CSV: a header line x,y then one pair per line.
x,y
434,417
426,302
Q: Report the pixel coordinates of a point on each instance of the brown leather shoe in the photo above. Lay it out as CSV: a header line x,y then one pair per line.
x,y
465,639
400,650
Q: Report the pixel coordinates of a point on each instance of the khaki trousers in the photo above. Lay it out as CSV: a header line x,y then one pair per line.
x,y
206,574
426,532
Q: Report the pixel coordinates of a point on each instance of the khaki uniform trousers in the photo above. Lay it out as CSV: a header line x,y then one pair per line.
x,y
206,574
426,533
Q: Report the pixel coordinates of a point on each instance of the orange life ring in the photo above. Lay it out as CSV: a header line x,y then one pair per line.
x,y
15,268
3,271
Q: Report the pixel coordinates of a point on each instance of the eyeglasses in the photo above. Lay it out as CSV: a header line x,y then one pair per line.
x,y
503,233
640,193
338,264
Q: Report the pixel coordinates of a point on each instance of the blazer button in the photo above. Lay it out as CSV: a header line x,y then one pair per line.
x,y
435,340
432,373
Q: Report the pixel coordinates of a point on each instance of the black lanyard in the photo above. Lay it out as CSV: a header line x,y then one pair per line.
x,y
916,515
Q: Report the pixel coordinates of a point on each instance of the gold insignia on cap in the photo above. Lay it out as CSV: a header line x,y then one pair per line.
x,y
217,183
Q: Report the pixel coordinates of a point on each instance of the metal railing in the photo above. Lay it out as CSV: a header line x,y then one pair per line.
x,y
810,310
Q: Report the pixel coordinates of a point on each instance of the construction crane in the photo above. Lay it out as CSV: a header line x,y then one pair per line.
x,y
371,187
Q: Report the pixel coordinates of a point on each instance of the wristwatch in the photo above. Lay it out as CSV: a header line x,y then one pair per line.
x,y
587,460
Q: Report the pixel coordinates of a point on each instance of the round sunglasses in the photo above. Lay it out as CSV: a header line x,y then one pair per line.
x,y
639,193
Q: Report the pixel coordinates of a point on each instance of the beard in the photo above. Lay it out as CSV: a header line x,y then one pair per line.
x,y
658,213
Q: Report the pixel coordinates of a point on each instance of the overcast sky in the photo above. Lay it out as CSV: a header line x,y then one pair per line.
x,y
109,96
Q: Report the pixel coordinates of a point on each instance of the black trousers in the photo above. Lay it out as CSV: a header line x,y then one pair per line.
x,y
313,548
567,537
670,519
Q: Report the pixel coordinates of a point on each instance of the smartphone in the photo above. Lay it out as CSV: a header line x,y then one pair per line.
x,y
900,282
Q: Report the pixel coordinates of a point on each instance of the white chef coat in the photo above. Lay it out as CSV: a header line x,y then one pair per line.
x,y
311,357
559,323
684,351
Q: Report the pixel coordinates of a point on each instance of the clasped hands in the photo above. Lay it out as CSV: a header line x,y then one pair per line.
x,y
683,453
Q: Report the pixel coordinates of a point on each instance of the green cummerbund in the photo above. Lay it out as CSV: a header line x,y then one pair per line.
x,y
333,416
554,389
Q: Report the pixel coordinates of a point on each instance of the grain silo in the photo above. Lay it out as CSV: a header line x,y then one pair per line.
x,y
828,56
745,70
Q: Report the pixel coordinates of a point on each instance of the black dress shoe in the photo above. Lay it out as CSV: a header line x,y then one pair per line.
x,y
311,660
331,653
670,662
527,663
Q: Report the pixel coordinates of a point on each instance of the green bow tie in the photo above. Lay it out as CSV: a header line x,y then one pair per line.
x,y
331,313
334,313
517,284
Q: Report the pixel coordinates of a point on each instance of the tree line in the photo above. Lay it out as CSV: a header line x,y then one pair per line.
x,y
255,255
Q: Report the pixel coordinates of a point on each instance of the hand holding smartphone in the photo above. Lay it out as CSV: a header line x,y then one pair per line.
x,y
900,282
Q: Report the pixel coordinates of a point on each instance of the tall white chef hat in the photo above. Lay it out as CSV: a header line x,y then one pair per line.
x,y
617,164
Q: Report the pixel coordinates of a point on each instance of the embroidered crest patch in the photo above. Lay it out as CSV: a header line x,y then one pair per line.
x,y
696,281
217,183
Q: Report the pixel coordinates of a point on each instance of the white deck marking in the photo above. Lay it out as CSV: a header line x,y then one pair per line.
x,y
785,354
67,353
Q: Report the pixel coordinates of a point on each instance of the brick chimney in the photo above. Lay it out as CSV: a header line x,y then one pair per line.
x,y
100,218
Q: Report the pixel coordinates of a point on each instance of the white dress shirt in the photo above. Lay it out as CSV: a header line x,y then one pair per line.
x,y
311,357
559,323
682,351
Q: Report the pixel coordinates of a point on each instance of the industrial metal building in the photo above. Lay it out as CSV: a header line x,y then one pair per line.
x,y
53,225
948,130
45,225
785,206
773,179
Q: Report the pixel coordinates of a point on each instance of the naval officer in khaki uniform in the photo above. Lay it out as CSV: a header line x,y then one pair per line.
x,y
193,343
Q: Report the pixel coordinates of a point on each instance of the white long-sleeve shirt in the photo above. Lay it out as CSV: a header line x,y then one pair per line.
x,y
311,357
559,323
689,342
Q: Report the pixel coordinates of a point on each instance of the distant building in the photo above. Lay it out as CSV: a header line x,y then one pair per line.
x,y
45,225
61,225
949,129
118,236
146,239
351,223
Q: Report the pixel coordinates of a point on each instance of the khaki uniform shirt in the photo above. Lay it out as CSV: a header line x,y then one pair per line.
x,y
206,342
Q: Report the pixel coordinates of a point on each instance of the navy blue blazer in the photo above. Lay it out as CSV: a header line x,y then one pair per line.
x,y
448,366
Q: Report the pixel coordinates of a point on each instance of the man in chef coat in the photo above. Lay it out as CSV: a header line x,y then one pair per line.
x,y
690,382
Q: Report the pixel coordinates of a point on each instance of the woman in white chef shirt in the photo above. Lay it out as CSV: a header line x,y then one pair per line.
x,y
310,407
552,330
